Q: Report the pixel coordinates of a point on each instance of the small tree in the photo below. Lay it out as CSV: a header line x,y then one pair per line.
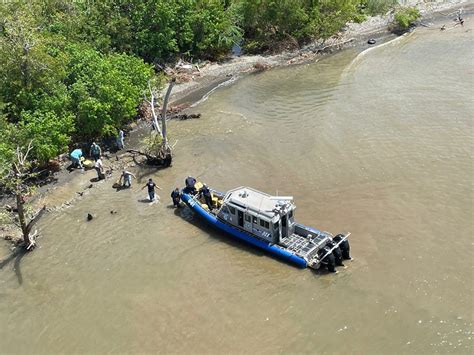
x,y
16,180
158,148
405,17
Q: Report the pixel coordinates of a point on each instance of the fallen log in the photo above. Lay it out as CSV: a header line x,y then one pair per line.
x,y
164,160
185,116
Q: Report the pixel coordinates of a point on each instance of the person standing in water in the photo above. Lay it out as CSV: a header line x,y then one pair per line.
x,y
176,197
127,178
151,189
100,169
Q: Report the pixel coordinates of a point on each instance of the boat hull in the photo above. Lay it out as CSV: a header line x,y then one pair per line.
x,y
241,235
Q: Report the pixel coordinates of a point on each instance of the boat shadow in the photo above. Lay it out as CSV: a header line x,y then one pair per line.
x,y
187,214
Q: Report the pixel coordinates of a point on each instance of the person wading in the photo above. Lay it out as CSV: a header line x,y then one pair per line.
x,y
100,169
151,189
176,197
127,178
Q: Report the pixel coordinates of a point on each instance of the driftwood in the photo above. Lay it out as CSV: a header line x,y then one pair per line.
x,y
162,159
185,116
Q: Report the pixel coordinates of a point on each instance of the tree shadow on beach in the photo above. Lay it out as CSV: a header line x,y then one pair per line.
x,y
16,258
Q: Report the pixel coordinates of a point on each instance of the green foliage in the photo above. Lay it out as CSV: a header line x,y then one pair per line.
x,y
153,143
105,89
51,90
377,7
405,17
49,133
7,145
266,22
73,70
194,28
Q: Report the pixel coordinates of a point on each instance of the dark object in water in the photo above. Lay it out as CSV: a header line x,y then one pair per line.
x,y
371,41
113,212
89,217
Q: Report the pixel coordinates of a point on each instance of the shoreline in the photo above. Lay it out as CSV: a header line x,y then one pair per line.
x,y
208,78
68,187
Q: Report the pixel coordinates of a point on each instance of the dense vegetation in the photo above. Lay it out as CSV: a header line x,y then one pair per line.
x,y
76,70
406,17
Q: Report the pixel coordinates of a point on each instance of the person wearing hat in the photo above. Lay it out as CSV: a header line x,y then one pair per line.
x,y
190,188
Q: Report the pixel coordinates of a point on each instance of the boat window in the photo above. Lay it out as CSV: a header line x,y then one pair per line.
x,y
225,209
262,222
232,209
290,215
283,221
267,225
247,218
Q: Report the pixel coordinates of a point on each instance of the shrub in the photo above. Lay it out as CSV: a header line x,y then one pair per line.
x,y
406,17
377,7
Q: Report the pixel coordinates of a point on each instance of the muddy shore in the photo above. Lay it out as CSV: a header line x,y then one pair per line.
x,y
68,186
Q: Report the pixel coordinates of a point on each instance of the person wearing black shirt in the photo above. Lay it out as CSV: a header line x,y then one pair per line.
x,y
204,191
176,197
151,189
190,188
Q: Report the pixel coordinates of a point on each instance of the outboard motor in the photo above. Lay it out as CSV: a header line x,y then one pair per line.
x,y
337,253
344,246
329,260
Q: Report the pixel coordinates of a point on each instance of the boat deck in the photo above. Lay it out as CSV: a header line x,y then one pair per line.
x,y
301,245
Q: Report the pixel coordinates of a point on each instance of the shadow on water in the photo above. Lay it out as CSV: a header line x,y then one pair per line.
x,y
16,257
186,214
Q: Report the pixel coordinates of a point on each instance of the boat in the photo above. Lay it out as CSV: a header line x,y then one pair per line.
x,y
267,222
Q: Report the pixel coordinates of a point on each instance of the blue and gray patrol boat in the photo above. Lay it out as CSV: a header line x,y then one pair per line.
x,y
267,222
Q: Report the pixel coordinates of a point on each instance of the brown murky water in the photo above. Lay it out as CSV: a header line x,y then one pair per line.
x,y
380,146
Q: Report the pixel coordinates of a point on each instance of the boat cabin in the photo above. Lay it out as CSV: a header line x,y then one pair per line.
x,y
270,218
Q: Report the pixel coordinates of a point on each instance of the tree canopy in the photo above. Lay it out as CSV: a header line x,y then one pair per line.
x,y
77,70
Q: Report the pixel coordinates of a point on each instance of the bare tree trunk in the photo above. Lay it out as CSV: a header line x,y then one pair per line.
x,y
22,219
163,114
153,112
